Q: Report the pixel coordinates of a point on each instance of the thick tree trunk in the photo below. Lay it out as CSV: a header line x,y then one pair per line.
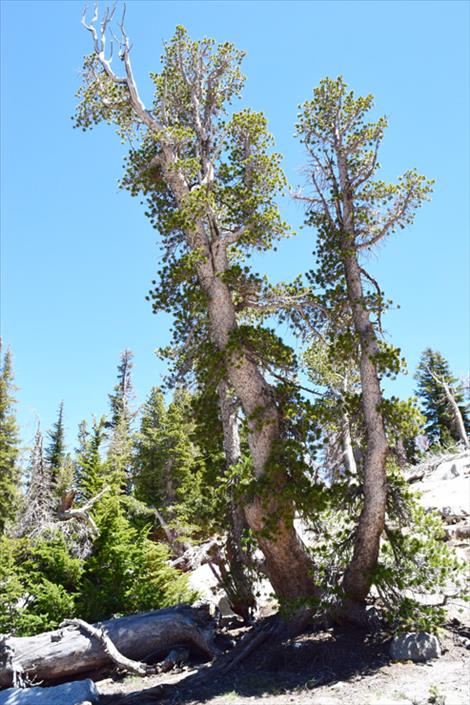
x,y
237,582
69,652
288,564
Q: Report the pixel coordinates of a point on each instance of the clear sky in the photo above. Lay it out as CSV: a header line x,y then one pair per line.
x,y
78,255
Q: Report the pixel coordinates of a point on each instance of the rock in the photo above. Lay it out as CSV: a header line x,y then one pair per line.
x,y
324,700
459,531
388,701
75,693
415,646
456,467
452,515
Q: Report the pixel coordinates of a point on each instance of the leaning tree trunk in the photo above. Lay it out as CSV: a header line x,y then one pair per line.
x,y
69,652
456,414
271,517
236,581
358,576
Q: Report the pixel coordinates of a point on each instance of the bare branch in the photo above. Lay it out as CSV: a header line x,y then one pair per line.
x,y
389,224
136,667
99,44
376,286
66,513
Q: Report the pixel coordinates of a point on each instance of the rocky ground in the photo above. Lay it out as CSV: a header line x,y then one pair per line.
x,y
336,666
340,666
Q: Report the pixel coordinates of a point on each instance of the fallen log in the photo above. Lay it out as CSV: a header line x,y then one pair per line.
x,y
70,650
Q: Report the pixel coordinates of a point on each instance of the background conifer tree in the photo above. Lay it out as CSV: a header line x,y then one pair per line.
x,y
89,466
55,451
9,444
433,375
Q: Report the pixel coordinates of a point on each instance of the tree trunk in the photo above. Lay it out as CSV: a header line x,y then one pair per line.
x,y
68,652
288,564
456,415
237,582
346,443
358,576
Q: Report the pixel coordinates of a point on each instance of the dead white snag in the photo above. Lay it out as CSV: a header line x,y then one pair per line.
x,y
68,652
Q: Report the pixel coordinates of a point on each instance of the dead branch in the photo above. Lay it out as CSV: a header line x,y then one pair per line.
x,y
138,668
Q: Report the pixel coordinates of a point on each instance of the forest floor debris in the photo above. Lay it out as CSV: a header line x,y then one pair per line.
x,y
338,666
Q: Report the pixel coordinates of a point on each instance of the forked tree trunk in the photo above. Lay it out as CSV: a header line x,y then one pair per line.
x,y
271,517
68,652
287,562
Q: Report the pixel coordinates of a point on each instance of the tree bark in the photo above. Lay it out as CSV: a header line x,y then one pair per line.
x,y
271,518
358,576
237,582
346,443
67,652
456,414
288,564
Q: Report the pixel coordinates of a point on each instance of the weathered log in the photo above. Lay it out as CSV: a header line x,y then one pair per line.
x,y
68,652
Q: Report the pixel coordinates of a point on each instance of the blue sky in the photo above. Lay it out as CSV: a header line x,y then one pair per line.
x,y
78,254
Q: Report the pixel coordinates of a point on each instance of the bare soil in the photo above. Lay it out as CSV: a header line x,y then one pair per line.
x,y
337,666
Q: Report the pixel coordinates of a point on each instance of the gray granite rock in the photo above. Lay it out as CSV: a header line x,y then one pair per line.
x,y
415,646
73,693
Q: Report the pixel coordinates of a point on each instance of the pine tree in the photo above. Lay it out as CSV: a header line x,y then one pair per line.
x,y
39,581
9,444
165,456
211,181
433,377
89,466
119,455
126,571
55,451
121,398
352,211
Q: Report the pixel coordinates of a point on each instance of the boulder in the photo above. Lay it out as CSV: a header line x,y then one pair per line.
x,y
415,646
450,469
74,693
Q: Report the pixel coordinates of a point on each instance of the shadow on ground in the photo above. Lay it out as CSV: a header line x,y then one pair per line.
x,y
301,665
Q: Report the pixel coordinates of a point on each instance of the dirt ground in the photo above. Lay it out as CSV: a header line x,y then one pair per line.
x,y
334,667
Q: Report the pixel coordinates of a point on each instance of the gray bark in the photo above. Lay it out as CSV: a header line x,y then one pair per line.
x,y
456,414
287,563
67,652
346,443
237,581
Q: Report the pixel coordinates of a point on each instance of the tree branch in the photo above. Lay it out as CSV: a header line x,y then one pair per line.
x,y
99,44
136,667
